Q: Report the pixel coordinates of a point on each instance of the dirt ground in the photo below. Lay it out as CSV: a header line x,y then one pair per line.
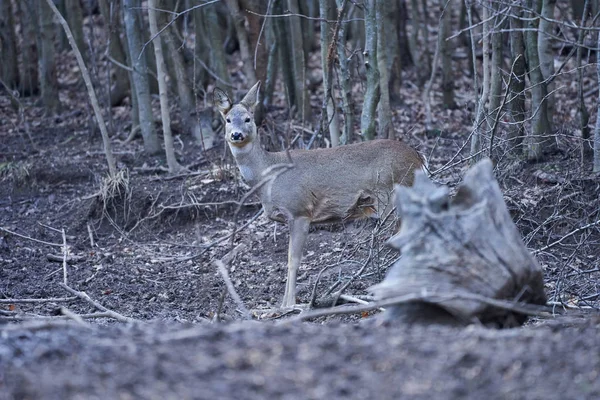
x,y
146,249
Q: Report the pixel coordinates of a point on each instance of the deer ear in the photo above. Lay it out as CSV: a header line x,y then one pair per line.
x,y
251,99
221,101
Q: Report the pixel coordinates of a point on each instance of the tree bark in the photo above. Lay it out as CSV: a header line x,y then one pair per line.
x,y
496,76
546,53
446,59
140,76
480,126
330,125
218,63
460,254
367,118
9,68
120,80
75,20
28,73
47,59
384,110
516,102
540,124
162,89
344,75
596,166
298,60
242,36
584,115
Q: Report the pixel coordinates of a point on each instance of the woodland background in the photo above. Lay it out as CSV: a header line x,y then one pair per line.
x,y
115,183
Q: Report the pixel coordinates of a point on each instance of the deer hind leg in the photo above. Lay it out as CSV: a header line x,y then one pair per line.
x,y
298,232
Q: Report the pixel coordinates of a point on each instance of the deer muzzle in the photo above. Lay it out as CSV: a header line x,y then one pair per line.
x,y
237,137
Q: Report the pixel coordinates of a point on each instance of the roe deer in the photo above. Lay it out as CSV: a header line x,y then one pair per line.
x,y
323,186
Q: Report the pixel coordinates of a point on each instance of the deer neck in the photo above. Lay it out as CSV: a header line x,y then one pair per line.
x,y
252,160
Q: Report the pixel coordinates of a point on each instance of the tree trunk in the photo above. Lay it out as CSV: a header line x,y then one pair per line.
x,y
259,45
546,53
75,20
480,126
140,76
496,76
330,124
162,89
201,50
284,53
367,118
47,59
516,100
120,80
298,60
540,125
242,36
344,76
218,63
28,73
446,49
460,256
185,98
9,68
597,130
384,111
584,116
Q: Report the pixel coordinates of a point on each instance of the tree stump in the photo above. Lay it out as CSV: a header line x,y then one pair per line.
x,y
462,258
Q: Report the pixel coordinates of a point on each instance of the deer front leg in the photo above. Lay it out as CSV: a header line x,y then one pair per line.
x,y
298,232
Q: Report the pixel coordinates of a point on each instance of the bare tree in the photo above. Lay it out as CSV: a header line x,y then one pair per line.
x,y
344,75
597,130
112,169
28,73
47,59
384,111
140,76
517,80
584,115
9,69
480,125
298,60
162,88
330,125
446,57
75,19
119,77
242,36
546,52
217,61
367,118
540,124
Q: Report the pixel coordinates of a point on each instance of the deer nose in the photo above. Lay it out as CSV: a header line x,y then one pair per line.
x,y
237,136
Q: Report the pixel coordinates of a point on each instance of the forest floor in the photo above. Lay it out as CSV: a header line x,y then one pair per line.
x,y
146,249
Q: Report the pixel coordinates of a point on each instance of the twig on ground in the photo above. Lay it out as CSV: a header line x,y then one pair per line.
x,y
30,238
222,266
582,228
527,309
71,315
109,313
48,300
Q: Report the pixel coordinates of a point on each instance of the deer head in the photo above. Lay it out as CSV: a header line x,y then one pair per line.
x,y
240,128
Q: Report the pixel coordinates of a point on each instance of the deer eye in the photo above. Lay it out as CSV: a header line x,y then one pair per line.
x,y
228,120
247,120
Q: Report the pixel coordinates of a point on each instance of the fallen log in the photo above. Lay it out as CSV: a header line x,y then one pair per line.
x,y
459,255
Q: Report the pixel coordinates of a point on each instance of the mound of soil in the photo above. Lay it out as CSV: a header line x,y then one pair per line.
x,y
294,361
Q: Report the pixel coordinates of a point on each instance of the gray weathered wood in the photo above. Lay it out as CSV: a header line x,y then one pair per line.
x,y
459,248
